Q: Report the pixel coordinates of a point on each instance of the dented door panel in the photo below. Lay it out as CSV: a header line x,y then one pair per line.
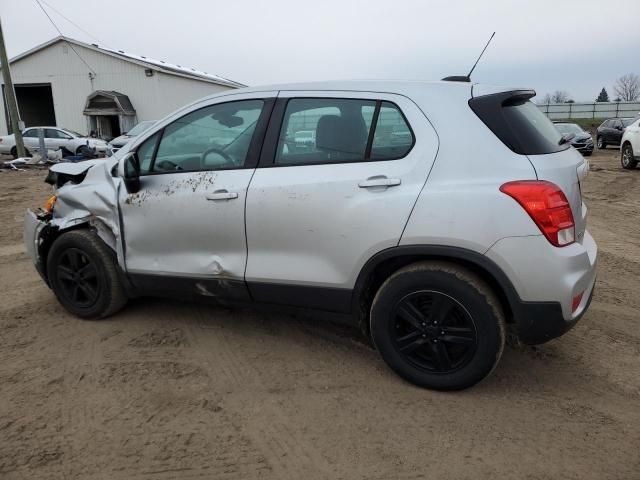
x,y
173,228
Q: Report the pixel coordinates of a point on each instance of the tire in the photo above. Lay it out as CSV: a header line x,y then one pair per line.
x,y
600,143
14,152
83,150
438,326
626,157
82,273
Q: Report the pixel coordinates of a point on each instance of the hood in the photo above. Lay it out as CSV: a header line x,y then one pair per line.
x,y
77,168
120,141
581,137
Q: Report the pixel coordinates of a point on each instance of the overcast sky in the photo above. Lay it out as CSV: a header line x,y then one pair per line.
x,y
573,45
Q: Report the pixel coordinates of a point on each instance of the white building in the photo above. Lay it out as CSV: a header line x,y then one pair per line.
x,y
85,87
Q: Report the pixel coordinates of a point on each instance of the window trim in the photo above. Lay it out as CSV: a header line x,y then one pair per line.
x,y
272,137
255,146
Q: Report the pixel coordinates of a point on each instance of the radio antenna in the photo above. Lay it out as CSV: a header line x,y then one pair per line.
x,y
481,53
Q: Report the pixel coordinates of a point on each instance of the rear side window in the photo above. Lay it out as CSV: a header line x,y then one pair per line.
x,y
393,137
338,130
518,123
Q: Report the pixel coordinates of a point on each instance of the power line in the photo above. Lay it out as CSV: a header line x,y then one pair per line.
x,y
62,35
73,23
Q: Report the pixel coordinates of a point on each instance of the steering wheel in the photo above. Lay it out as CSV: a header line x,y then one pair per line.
x,y
227,158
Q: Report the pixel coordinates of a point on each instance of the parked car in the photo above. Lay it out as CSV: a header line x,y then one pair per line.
x,y
630,145
610,131
54,139
434,251
117,143
579,139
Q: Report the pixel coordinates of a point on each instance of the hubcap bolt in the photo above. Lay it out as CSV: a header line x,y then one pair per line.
x,y
442,332
424,335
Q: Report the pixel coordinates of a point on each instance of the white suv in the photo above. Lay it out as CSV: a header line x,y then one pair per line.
x,y
630,145
436,214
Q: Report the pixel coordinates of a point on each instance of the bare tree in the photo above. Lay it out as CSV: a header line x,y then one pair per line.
x,y
627,87
559,96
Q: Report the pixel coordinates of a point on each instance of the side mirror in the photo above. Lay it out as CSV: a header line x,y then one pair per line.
x,y
618,127
131,173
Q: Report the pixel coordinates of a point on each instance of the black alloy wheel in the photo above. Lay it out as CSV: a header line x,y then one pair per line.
x,y
433,332
78,278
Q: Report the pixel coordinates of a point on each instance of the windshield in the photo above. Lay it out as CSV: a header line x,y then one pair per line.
x,y
566,128
140,128
75,134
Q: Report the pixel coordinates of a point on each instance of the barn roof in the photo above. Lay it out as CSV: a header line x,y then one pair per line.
x,y
159,65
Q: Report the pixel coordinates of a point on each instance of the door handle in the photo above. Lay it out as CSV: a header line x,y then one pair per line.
x,y
379,181
222,195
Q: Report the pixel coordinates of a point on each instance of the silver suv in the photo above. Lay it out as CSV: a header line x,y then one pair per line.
x,y
436,214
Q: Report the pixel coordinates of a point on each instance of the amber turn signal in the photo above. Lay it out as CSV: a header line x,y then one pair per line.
x,y
48,205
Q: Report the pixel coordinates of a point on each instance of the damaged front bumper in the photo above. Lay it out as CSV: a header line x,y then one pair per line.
x,y
35,225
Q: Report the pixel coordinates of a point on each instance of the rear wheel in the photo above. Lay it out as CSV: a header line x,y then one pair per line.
x,y
14,152
626,157
438,326
601,143
82,273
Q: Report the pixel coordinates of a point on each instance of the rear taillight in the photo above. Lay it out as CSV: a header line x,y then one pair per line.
x,y
548,207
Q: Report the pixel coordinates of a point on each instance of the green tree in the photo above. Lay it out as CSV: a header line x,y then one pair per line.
x,y
603,97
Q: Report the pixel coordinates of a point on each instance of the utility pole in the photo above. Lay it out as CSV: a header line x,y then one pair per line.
x,y
10,97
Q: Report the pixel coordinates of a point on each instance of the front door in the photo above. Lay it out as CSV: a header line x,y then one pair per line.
x,y
339,175
184,229
54,138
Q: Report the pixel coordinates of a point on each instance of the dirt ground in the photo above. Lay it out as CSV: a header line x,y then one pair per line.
x,y
173,390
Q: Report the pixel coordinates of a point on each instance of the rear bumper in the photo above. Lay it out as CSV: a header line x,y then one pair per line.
x,y
546,280
539,322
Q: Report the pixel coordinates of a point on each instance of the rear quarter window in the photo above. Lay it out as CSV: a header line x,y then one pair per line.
x,y
518,123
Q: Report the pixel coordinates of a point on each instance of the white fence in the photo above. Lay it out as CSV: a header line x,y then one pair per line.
x,y
590,110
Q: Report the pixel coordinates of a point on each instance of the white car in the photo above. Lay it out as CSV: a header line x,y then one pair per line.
x,y
54,138
117,143
630,145
433,242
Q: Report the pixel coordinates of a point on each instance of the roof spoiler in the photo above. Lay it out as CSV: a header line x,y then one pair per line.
x,y
457,78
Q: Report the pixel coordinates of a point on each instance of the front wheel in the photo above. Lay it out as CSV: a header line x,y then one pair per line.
x,y
601,143
626,157
438,326
82,273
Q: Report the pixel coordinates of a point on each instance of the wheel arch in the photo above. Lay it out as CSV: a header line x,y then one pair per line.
x,y
379,267
51,233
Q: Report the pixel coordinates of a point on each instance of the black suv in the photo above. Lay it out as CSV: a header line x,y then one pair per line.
x,y
610,132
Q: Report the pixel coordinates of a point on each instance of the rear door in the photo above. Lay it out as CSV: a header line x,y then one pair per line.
x,y
31,138
318,209
55,138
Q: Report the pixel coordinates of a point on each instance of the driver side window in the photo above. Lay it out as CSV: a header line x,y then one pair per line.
x,y
212,138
